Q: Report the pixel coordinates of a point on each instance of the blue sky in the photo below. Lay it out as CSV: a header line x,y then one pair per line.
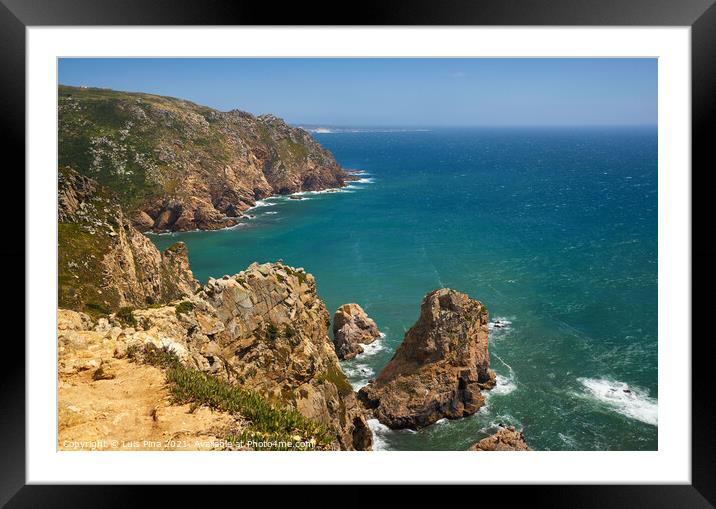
x,y
396,92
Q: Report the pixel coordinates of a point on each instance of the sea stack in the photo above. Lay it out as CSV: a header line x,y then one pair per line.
x,y
440,368
507,439
351,328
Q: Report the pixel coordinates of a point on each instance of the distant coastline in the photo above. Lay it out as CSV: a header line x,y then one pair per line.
x,y
340,129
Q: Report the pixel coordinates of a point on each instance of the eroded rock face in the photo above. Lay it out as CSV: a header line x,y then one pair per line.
x,y
351,328
264,329
440,368
104,262
179,166
275,340
507,439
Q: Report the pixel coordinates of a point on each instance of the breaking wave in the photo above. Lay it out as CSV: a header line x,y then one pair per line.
x,y
499,324
373,348
505,385
358,374
379,431
501,421
631,402
357,370
261,203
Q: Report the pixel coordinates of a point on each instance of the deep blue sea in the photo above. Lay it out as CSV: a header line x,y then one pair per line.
x,y
554,230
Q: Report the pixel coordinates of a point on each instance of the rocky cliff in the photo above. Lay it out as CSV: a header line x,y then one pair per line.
x,y
175,165
273,338
440,368
104,262
262,331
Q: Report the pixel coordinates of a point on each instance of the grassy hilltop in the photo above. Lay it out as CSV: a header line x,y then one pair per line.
x,y
176,165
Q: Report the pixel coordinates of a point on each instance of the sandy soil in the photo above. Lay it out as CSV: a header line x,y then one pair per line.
x,y
132,411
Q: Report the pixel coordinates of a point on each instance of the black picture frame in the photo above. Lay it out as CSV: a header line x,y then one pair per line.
x,y
700,15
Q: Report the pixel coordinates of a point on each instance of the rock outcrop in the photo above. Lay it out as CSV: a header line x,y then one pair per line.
x,y
440,368
104,262
507,439
175,165
351,328
271,335
264,330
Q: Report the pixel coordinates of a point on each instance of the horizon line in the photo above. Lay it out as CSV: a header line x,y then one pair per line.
x,y
456,126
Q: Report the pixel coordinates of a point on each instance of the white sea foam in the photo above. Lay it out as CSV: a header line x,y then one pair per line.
x,y
322,191
373,348
379,431
272,212
359,374
234,226
502,420
261,203
505,385
358,370
441,421
631,402
503,321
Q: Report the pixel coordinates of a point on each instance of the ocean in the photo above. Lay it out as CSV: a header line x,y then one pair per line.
x,y
554,230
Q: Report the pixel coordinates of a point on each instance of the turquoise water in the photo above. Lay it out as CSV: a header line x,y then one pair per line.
x,y
554,230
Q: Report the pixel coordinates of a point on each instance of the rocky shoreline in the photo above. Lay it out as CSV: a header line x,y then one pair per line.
x,y
178,166
144,350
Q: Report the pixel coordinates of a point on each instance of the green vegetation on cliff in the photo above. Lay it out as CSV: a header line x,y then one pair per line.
x,y
268,421
87,216
103,262
182,165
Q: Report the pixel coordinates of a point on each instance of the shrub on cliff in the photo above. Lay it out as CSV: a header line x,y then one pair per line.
x,y
269,421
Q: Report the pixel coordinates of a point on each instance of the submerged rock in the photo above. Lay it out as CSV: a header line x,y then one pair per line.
x,y
507,439
440,368
351,328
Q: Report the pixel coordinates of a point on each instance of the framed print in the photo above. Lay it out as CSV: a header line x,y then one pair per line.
x,y
360,254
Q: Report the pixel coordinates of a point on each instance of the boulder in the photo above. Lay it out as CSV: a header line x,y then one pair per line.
x,y
72,320
440,368
351,328
507,439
